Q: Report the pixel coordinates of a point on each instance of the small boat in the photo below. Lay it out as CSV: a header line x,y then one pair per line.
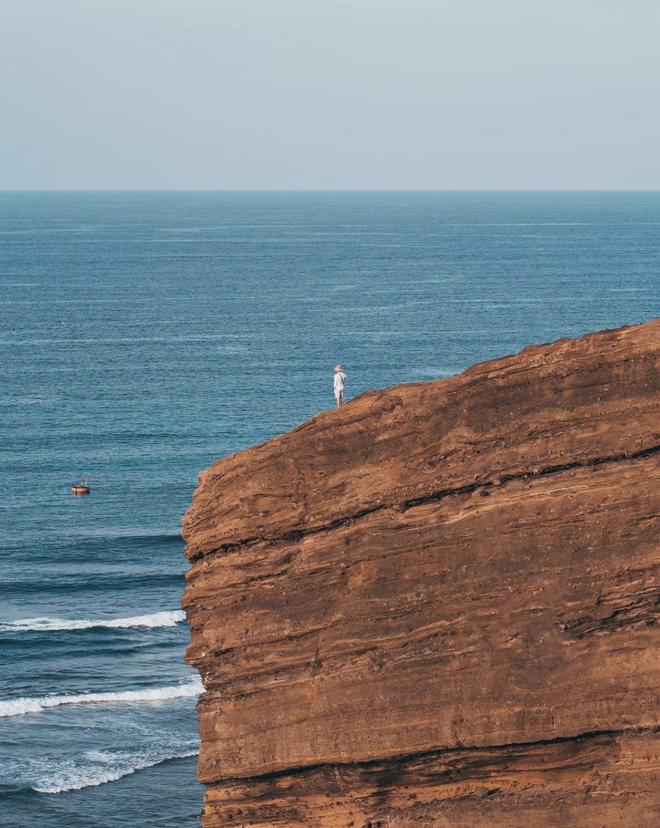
x,y
82,487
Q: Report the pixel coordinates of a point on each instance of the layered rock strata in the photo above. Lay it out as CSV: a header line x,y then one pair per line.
x,y
439,604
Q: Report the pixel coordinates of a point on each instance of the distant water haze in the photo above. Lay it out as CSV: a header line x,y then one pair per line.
x,y
329,94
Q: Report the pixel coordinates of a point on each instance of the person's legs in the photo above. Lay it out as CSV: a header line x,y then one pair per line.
x,y
340,398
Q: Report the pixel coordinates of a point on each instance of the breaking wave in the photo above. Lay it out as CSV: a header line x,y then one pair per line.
x,y
101,767
19,707
47,624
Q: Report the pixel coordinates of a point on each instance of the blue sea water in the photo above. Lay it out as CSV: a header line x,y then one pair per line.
x,y
142,336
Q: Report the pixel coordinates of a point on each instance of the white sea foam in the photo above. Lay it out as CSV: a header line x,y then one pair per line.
x,y
47,624
19,707
99,767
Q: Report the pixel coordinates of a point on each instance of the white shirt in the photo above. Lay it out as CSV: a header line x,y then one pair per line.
x,y
340,378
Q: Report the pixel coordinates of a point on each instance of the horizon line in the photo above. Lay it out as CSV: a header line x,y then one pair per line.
x,y
327,190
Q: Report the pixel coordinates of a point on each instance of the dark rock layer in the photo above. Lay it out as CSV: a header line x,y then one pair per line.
x,y
439,604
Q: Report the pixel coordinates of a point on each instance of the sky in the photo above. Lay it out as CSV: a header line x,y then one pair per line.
x,y
329,94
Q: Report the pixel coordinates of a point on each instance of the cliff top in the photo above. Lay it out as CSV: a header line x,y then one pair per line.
x,y
562,401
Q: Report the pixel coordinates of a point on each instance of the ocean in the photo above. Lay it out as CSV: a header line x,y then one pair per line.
x,y
144,335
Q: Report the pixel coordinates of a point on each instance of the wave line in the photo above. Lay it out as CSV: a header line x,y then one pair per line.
x,y
76,781
19,707
47,624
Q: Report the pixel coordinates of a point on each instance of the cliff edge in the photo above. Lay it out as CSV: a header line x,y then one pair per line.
x,y
439,604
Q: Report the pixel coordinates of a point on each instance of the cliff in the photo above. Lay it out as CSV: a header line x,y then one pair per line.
x,y
438,605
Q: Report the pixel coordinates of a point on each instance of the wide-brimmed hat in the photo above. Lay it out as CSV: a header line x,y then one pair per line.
x,y
338,368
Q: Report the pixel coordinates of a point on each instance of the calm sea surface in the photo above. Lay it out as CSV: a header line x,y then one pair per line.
x,y
144,335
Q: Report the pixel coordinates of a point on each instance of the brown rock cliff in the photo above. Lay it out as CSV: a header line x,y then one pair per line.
x,y
439,604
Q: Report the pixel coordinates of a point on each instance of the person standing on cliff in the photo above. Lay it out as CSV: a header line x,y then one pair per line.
x,y
340,379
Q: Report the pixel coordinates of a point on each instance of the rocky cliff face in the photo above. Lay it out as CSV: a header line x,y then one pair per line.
x,y
438,605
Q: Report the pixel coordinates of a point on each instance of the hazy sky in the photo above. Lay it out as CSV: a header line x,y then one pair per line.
x,y
329,94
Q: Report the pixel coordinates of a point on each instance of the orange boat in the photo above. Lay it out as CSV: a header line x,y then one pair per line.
x,y
82,487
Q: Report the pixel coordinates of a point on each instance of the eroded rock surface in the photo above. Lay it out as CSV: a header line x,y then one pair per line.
x,y
439,605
